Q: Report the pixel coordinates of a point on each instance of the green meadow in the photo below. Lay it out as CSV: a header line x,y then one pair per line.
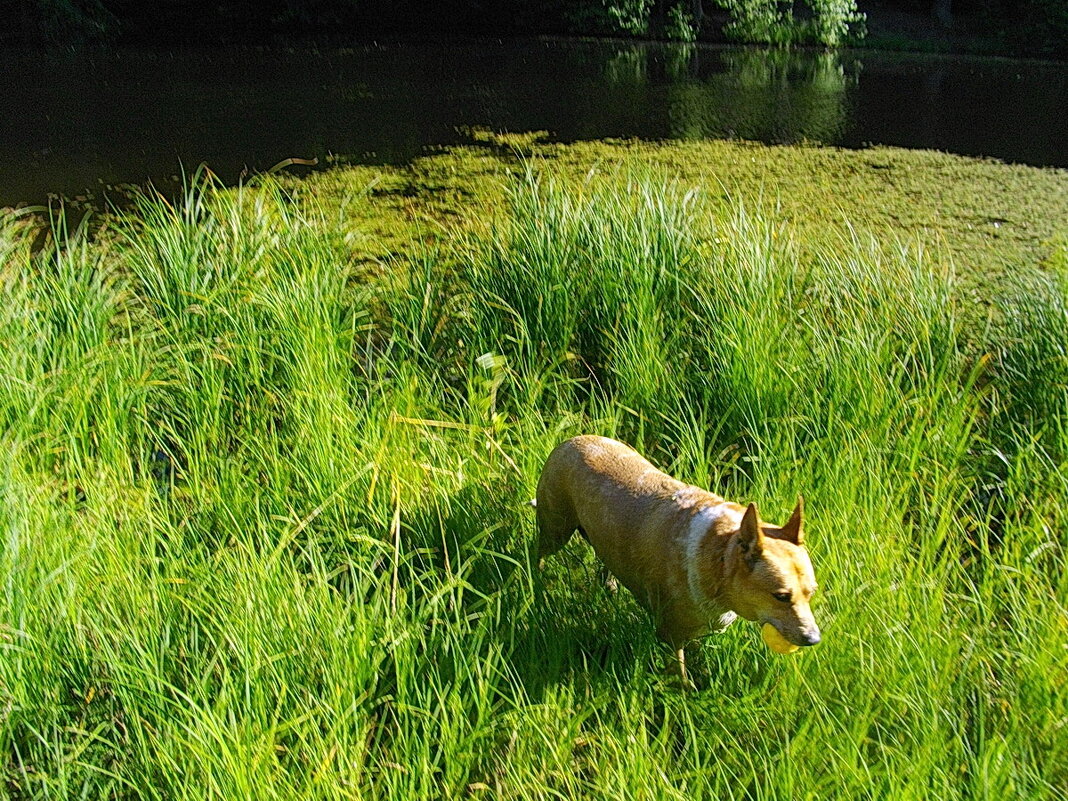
x,y
265,455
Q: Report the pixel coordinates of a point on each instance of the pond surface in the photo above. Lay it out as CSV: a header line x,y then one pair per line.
x,y
72,123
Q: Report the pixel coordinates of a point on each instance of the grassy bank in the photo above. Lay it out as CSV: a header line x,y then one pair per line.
x,y
983,219
265,456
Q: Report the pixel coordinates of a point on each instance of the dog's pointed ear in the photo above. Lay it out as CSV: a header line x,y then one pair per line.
x,y
750,536
793,530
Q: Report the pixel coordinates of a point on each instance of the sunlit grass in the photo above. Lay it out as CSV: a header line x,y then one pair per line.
x,y
265,525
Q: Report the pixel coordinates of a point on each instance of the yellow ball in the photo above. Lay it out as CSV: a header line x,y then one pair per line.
x,y
776,641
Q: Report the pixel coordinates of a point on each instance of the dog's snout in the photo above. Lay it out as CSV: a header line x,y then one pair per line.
x,y
810,637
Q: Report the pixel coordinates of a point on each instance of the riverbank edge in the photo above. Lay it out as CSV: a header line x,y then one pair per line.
x,y
985,220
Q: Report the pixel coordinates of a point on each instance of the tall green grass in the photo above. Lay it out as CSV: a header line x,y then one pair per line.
x,y
264,519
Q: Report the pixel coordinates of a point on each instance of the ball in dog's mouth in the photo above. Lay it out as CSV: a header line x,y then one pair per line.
x,y
776,641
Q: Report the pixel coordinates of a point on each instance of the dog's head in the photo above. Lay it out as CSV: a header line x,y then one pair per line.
x,y
773,581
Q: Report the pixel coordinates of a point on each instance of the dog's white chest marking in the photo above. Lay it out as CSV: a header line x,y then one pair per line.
x,y
700,527
719,625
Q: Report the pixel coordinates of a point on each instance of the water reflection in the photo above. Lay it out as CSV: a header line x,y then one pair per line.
x,y
67,122
769,96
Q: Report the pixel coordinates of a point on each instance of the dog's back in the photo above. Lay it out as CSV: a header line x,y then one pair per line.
x,y
631,513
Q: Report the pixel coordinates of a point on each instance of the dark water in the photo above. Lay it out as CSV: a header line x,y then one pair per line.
x,y
71,123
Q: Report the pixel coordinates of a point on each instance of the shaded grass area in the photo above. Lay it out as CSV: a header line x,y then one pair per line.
x,y
263,494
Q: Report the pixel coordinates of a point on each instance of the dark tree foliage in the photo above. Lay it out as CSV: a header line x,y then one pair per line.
x,y
1025,27
1022,26
224,19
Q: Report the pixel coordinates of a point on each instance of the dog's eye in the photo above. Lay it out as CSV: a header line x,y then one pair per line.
x,y
784,597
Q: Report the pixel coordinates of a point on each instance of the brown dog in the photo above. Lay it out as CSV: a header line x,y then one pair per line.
x,y
694,560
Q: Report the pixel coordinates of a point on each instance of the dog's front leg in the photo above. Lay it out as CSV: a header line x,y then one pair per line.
x,y
687,682
608,581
